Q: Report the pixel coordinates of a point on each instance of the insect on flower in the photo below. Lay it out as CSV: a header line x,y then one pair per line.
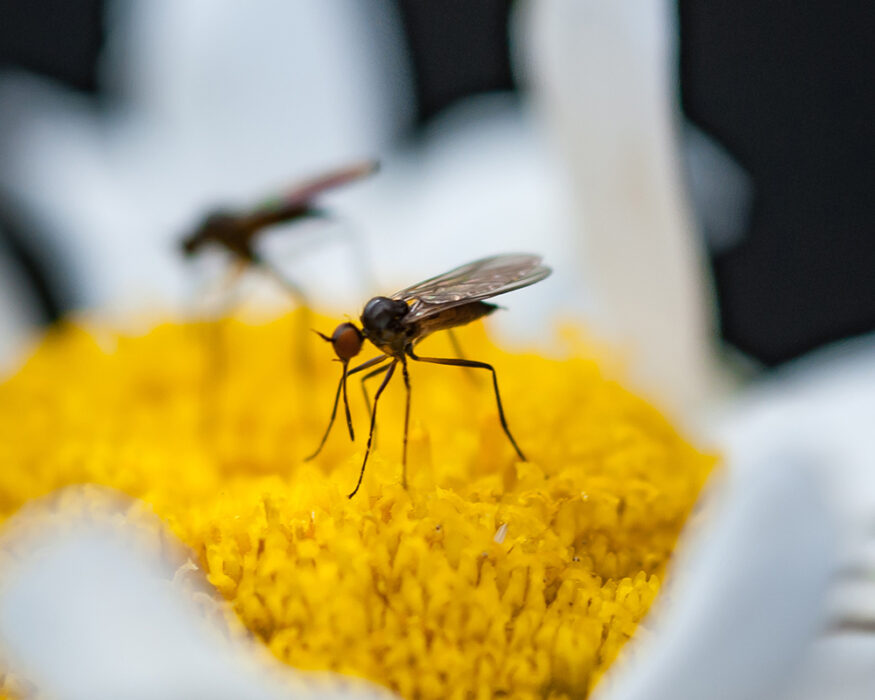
x,y
396,324
237,231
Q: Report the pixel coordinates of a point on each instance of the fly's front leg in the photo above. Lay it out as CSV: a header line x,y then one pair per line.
x,y
406,420
382,388
363,366
367,365
330,422
457,348
370,375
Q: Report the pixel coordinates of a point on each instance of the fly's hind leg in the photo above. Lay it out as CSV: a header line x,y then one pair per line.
x,y
474,364
457,349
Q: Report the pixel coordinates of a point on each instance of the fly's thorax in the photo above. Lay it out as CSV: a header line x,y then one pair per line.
x,y
382,324
218,226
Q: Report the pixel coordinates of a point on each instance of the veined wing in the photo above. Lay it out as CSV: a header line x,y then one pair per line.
x,y
478,280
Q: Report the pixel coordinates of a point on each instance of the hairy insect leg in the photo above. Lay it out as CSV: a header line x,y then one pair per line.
x,y
383,386
474,364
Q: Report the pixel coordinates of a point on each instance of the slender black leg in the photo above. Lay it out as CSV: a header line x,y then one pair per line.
x,y
346,403
377,372
454,341
367,364
341,387
476,365
331,420
385,383
457,348
370,375
406,421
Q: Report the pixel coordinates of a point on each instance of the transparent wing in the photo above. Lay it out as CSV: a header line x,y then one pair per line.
x,y
481,279
291,201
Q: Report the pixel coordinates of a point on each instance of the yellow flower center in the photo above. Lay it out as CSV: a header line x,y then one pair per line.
x,y
488,576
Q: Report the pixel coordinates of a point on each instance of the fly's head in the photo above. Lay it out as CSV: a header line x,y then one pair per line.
x,y
346,340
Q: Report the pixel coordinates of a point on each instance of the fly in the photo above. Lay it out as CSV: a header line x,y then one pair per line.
x,y
394,325
237,231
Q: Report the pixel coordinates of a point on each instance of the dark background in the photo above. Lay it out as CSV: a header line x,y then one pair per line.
x,y
785,87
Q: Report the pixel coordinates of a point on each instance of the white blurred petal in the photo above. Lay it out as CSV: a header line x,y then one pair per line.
x,y
92,615
748,594
824,404
604,75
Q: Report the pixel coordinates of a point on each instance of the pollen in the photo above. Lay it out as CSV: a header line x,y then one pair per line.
x,y
487,577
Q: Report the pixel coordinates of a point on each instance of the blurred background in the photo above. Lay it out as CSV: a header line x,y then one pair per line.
x,y
122,121
698,173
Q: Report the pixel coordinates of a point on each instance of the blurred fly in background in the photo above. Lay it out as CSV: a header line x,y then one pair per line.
x,y
237,234
237,231
701,170
170,113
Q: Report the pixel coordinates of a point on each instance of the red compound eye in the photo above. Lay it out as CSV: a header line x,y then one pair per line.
x,y
347,341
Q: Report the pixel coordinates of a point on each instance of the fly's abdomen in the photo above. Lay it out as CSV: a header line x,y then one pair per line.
x,y
455,316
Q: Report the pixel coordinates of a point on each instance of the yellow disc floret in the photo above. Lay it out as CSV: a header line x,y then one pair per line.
x,y
488,576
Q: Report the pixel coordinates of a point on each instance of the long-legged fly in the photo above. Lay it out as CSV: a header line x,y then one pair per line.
x,y
237,231
396,324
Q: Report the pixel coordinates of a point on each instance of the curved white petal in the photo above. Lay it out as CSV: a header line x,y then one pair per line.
x,y
748,596
92,614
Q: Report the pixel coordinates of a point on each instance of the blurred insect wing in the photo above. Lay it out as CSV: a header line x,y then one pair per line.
x,y
302,195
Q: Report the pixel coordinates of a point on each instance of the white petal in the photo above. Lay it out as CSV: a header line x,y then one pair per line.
x,y
92,616
749,594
